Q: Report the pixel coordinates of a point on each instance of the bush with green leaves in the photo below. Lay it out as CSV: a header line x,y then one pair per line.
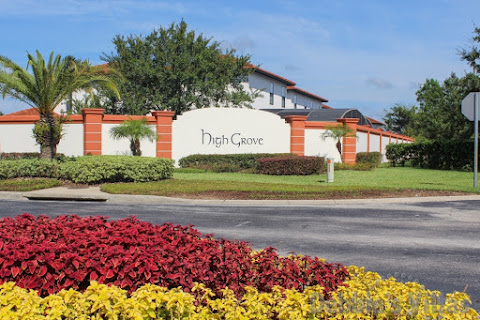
x,y
373,158
90,169
25,155
28,168
354,166
101,169
291,165
226,162
438,154
398,154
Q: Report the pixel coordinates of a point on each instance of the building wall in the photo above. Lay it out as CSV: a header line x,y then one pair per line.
x,y
72,141
374,143
229,131
385,142
17,138
318,146
256,81
112,146
202,131
260,82
362,142
303,101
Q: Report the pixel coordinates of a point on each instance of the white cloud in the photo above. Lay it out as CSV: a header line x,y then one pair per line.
x,y
108,8
243,42
379,83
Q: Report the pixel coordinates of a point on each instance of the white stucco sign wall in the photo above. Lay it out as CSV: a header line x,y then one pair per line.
x,y
229,131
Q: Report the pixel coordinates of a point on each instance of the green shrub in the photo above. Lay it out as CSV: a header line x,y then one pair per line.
x,y
372,158
398,154
25,155
100,169
28,168
438,154
355,166
90,169
291,165
226,162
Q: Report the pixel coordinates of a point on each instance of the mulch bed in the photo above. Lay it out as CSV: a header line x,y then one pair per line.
x,y
364,194
334,195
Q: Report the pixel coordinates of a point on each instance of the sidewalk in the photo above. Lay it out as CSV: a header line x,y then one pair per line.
x,y
94,194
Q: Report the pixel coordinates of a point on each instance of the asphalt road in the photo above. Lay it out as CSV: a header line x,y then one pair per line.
x,y
434,243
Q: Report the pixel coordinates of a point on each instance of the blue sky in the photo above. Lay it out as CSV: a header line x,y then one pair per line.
x,y
364,54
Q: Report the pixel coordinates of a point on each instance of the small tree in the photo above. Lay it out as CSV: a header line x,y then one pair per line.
x,y
134,130
472,55
401,119
338,132
178,69
50,82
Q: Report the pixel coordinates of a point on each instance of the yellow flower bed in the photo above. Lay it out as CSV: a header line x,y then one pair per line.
x,y
365,296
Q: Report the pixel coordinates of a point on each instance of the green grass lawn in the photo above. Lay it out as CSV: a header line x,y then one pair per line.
x,y
28,184
397,178
347,183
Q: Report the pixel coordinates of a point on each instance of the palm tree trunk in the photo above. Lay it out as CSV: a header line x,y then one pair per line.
x,y
135,147
339,148
47,137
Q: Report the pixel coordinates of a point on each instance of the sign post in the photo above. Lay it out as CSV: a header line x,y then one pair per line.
x,y
470,111
330,170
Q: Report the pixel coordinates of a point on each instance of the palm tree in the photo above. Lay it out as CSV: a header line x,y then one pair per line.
x,y
338,132
134,130
48,84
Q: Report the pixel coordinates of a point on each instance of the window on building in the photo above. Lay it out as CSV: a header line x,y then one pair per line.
x,y
311,104
295,101
283,97
271,92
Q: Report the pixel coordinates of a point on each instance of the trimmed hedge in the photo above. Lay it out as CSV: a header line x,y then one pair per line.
x,y
438,154
28,168
372,158
226,162
26,155
91,169
291,165
19,155
101,169
354,166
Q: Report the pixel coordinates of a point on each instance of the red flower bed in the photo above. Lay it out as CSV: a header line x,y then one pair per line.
x,y
50,254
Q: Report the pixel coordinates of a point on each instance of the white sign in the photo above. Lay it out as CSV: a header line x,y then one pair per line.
x,y
229,131
468,105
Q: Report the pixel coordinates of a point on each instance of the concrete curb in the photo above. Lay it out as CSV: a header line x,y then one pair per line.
x,y
67,194
94,194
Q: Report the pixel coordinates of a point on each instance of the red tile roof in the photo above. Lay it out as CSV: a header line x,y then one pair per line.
x,y
324,106
25,112
271,75
311,95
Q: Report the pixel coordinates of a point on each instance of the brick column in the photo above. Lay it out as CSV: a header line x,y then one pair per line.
x,y
164,121
92,131
297,134
349,144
